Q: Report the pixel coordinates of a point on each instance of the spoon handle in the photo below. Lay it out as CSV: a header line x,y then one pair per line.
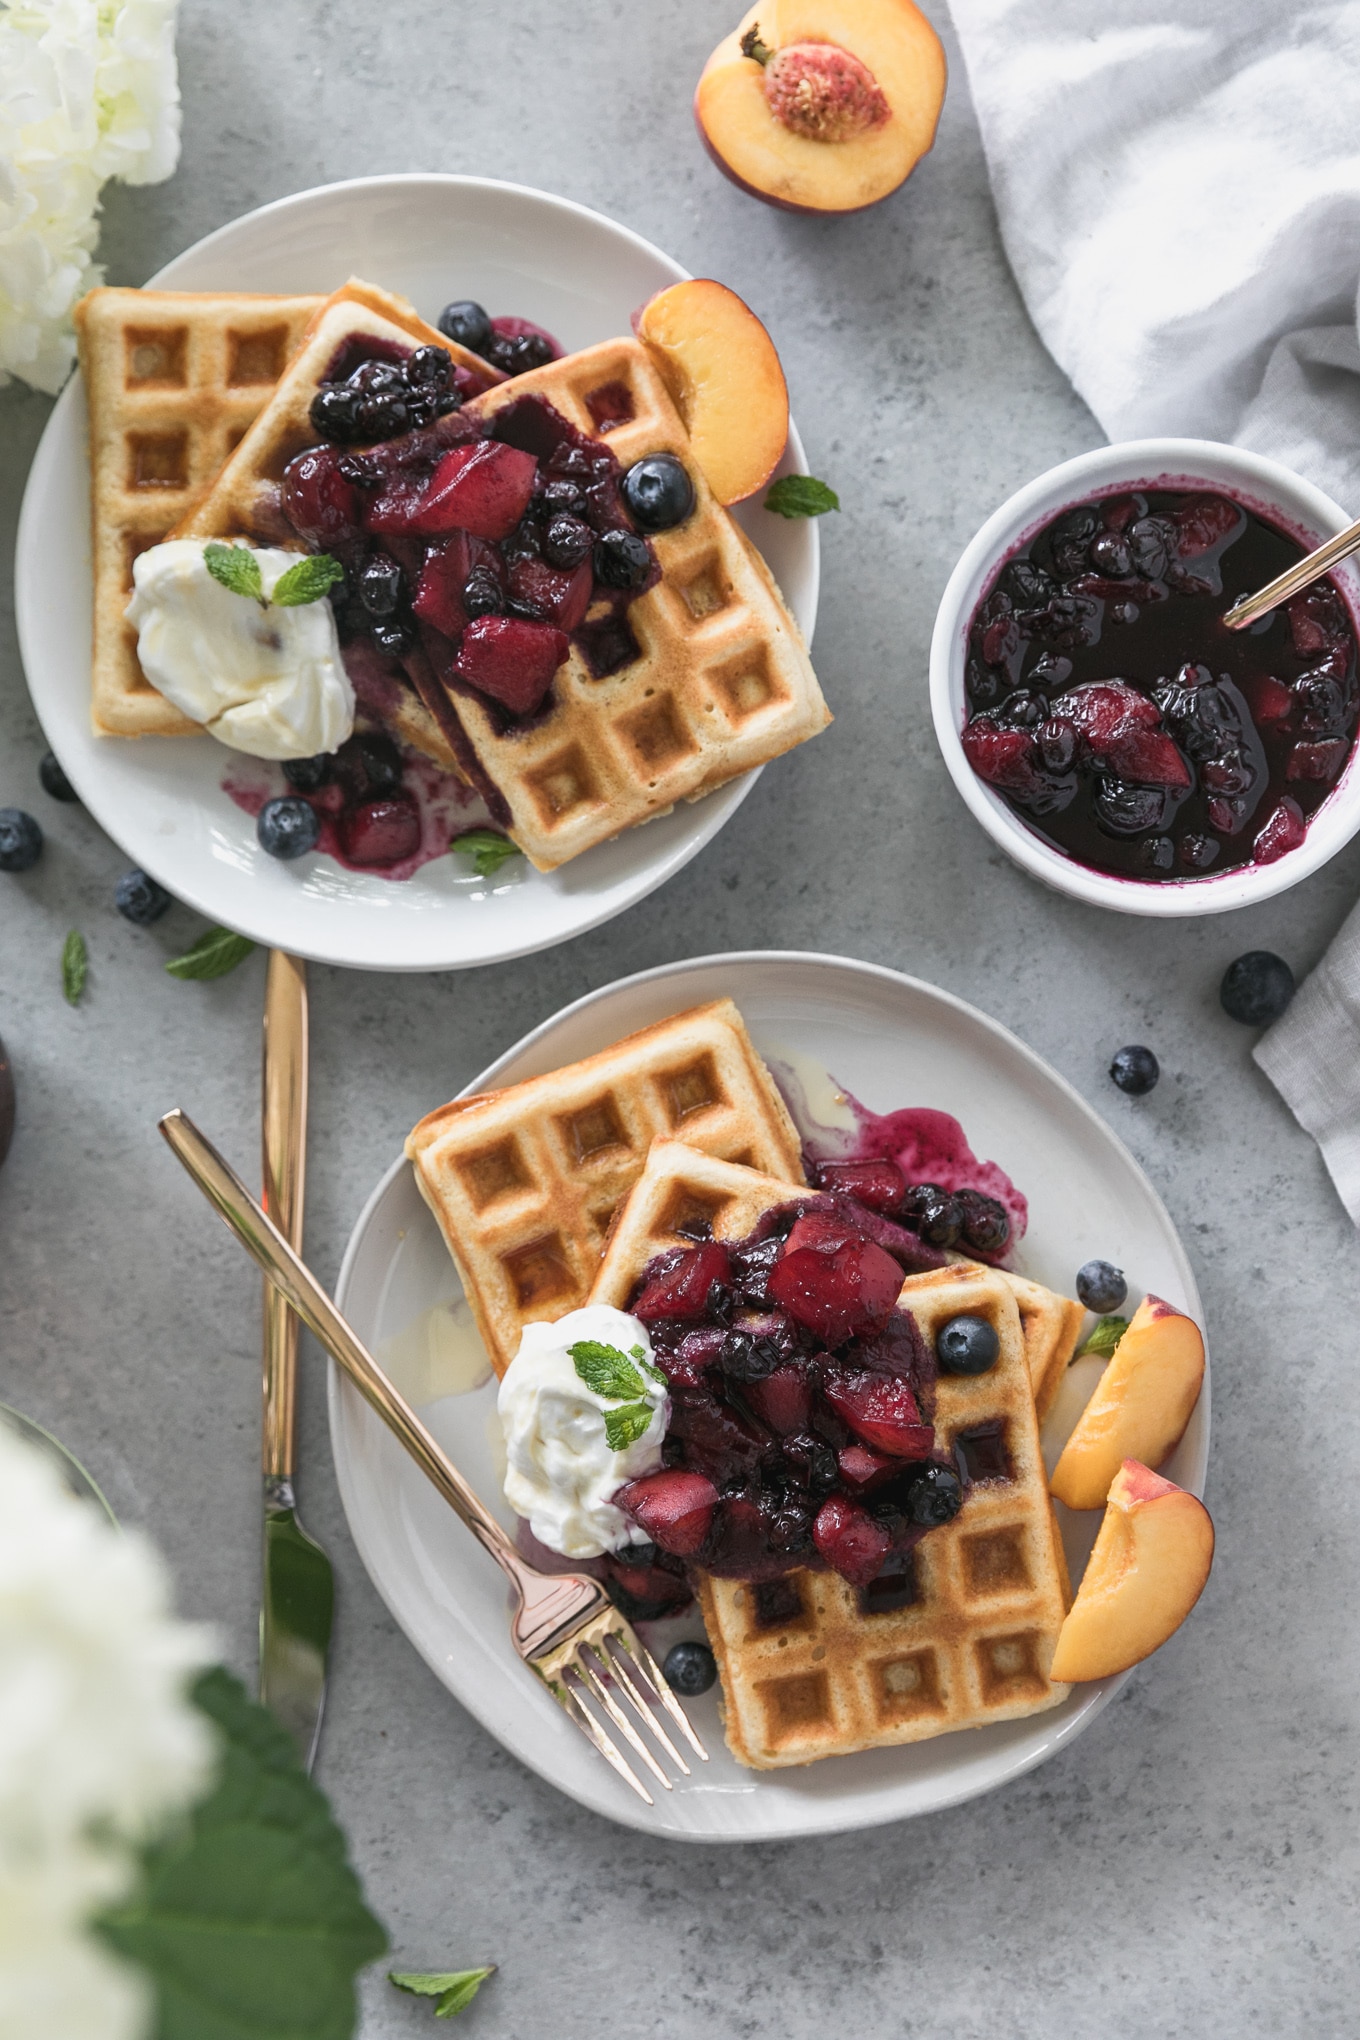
x,y
1292,582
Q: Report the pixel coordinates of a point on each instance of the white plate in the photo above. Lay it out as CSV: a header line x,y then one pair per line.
x,y
893,1041
160,798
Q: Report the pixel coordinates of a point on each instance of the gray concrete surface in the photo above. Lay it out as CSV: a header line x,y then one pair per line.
x,y
1189,1868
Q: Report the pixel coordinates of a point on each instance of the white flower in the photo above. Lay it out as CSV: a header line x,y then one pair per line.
x,y
88,91
98,1746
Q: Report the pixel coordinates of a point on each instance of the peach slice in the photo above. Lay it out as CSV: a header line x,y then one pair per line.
x,y
1140,1407
721,367
1146,1571
822,106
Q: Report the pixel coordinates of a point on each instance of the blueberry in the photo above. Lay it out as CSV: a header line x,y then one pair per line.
x,y
658,492
935,1496
288,827
482,592
986,1223
562,495
1157,853
516,354
1101,1286
380,585
21,840
392,634
1135,1070
306,774
466,322
335,413
383,415
54,780
374,377
139,899
381,761
567,541
622,559
1123,808
933,1213
690,1668
1257,988
966,1345
429,368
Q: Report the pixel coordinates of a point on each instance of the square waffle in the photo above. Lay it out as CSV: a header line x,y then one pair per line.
x,y
812,1667
524,1182
1051,1325
173,381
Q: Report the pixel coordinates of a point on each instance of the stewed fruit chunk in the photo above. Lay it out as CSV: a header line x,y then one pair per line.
x,y
880,1409
837,1291
878,1184
484,488
850,1540
674,1507
682,1290
319,502
782,1400
511,659
860,1468
439,591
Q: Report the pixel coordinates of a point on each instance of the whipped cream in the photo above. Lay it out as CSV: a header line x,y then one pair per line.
x,y
561,1469
269,681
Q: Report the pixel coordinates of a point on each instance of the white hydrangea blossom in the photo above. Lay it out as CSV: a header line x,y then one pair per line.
x,y
88,91
98,1746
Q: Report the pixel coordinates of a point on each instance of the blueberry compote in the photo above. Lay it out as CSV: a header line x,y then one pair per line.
x,y
802,1402
1114,710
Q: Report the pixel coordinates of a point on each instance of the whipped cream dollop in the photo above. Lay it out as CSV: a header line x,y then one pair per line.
x,y
262,679
561,1469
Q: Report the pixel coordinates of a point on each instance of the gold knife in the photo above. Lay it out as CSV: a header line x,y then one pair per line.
x,y
297,1602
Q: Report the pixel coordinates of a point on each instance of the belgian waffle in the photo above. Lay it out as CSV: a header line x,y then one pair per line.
x,y
524,1182
1051,1325
812,1667
173,381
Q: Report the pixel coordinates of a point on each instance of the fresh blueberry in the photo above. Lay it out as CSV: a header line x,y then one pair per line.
x,y
1101,1286
622,559
935,1496
335,413
658,492
1257,988
306,774
466,322
139,899
380,585
567,541
429,368
933,1213
690,1668
54,780
288,827
1135,1070
482,594
986,1222
21,840
967,1345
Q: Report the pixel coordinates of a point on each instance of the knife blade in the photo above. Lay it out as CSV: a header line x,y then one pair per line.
x,y
298,1593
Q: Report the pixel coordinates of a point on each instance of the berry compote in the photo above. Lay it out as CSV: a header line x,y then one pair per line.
x,y
1115,712
802,1400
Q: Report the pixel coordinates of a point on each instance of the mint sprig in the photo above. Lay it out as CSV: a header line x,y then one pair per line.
x,y
307,581
249,1920
75,967
801,496
236,567
624,1427
454,1988
216,952
1105,1336
606,1370
487,848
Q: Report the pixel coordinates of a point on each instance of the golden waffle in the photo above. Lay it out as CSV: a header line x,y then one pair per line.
x,y
173,380
524,1182
1051,1325
722,682
811,1667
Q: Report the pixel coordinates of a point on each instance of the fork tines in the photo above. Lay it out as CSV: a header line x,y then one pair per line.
x,y
605,1666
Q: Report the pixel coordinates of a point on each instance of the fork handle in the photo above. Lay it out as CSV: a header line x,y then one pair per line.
x,y
262,1239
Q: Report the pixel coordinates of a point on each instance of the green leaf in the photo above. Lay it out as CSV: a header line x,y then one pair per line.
x,y
249,1922
639,1354
624,1427
236,567
75,967
488,849
801,496
1105,1335
216,952
455,1988
606,1370
307,581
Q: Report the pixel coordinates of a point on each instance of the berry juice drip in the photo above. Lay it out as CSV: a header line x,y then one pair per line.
x,y
1117,714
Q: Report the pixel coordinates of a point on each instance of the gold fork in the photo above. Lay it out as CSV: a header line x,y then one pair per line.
x,y
564,1625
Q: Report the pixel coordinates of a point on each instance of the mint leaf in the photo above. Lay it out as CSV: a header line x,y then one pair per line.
x,y
606,1370
236,567
455,1988
639,1354
306,581
801,496
216,952
75,967
1105,1336
249,1922
624,1427
488,849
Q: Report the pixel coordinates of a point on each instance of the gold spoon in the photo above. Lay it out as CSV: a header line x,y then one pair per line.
x,y
1292,582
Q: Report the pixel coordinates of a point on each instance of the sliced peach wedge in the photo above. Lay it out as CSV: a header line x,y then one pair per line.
x,y
723,370
1146,1571
1140,1406
822,106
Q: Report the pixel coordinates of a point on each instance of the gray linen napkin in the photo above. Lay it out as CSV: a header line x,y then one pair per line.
x,y
1312,1057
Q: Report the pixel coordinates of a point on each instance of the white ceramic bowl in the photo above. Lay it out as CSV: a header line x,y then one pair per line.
x,y
1282,497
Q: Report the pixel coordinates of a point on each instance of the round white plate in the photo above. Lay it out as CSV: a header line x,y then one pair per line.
x,y
160,798
892,1041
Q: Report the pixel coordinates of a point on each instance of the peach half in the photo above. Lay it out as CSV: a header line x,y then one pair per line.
x,y
1140,1406
1146,1571
723,370
822,106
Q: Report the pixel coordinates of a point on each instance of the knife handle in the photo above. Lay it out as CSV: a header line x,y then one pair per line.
x,y
284,1130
